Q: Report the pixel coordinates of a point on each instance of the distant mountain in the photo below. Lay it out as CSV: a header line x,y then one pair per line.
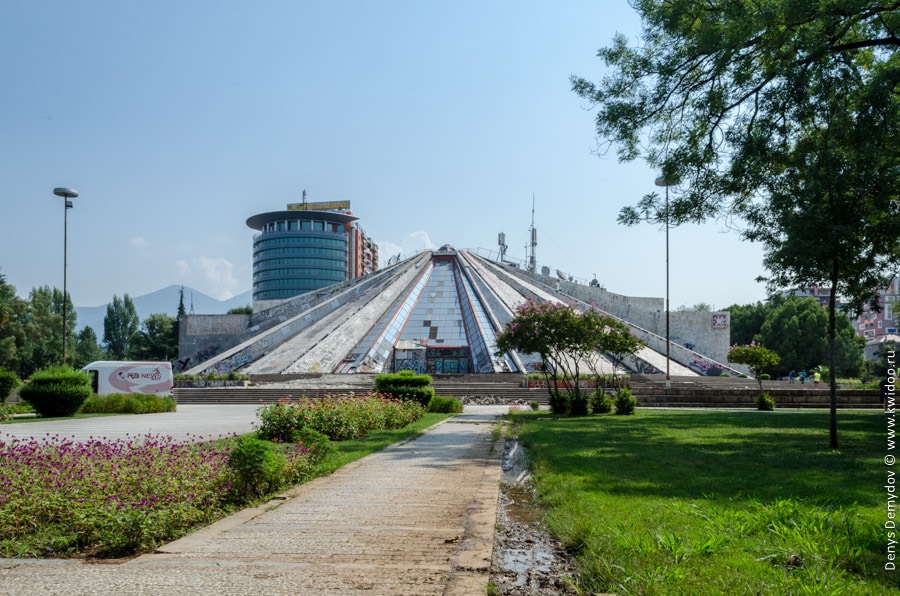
x,y
163,301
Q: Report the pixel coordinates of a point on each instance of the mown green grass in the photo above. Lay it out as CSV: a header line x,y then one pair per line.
x,y
706,502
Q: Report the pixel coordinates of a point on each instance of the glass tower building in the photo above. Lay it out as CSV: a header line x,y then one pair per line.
x,y
302,249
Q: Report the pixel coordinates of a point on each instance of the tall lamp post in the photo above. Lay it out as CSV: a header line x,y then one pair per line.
x,y
662,181
67,194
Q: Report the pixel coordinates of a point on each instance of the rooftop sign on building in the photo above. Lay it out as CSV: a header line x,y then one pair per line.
x,y
320,206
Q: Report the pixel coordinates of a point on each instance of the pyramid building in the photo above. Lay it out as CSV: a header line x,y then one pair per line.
x,y
438,313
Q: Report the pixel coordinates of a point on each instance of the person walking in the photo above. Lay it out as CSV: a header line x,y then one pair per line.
x,y
802,375
817,376
792,377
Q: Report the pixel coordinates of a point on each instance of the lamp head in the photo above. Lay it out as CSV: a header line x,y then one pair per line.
x,y
68,193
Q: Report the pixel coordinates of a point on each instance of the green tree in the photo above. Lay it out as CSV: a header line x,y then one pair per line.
x,y
757,358
616,341
157,339
566,340
43,330
699,307
797,328
747,321
13,311
87,348
783,112
120,326
181,310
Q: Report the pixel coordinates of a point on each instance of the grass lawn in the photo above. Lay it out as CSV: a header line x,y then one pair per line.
x,y
712,502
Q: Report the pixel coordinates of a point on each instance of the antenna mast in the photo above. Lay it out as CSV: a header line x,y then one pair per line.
x,y
532,260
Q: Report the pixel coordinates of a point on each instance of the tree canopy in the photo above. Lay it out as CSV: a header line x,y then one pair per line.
x,y
566,340
783,113
120,326
717,89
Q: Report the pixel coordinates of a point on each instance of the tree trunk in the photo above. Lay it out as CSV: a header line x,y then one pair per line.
x,y
832,334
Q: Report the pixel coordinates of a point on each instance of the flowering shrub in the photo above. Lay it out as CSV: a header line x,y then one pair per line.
x,y
112,497
339,418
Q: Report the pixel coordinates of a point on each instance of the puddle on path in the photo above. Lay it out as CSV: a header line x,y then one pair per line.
x,y
526,561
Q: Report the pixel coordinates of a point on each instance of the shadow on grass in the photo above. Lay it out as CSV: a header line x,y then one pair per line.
x,y
709,454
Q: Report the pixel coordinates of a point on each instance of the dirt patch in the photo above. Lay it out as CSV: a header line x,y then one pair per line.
x,y
526,561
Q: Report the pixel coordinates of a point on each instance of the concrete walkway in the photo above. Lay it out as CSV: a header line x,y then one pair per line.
x,y
416,518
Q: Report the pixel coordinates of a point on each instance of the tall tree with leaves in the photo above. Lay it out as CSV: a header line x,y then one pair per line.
x,y
785,113
12,329
157,338
43,329
120,326
87,348
746,321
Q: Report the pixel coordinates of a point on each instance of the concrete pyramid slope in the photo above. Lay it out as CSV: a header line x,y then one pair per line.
x,y
438,312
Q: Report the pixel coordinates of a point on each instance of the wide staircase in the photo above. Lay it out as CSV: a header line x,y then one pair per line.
x,y
649,390
735,392
264,389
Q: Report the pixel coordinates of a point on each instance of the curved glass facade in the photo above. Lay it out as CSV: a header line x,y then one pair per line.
x,y
298,252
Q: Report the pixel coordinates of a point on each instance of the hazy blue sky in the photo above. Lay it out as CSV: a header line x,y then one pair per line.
x,y
176,121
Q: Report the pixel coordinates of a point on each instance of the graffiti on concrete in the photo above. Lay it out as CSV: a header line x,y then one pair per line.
x,y
207,353
417,365
705,367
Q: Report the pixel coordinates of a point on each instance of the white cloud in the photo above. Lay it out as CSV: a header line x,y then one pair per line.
x,y
138,242
414,243
213,276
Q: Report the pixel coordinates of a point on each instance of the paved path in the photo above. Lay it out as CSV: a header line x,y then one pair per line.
x,y
188,421
416,518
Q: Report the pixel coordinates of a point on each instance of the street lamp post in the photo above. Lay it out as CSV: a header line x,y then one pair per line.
x,y
67,194
662,181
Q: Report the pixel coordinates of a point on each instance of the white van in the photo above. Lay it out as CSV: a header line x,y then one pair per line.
x,y
119,376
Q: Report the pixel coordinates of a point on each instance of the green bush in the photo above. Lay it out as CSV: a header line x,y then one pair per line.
x,y
534,406
6,412
405,385
625,402
132,403
559,402
317,445
339,418
764,402
578,404
8,382
601,403
282,421
445,405
256,467
765,377
57,391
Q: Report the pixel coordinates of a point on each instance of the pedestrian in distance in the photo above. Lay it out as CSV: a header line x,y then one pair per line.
x,y
792,377
817,376
802,375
